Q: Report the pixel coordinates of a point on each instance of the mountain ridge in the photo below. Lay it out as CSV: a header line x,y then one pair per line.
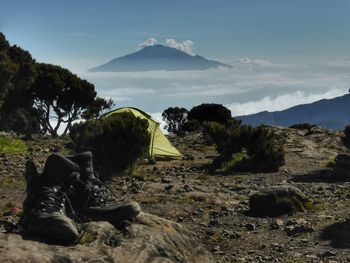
x,y
328,113
158,57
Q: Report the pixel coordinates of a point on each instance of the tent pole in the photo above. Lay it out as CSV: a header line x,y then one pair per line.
x,y
152,141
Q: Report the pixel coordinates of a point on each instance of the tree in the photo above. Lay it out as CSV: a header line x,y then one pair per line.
x,y
175,119
17,74
62,96
99,107
210,112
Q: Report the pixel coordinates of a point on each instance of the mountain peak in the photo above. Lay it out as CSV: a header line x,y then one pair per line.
x,y
158,57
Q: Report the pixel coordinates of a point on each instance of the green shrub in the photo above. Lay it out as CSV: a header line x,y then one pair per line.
x,y
210,112
22,121
12,145
265,152
245,148
346,138
116,142
303,126
227,140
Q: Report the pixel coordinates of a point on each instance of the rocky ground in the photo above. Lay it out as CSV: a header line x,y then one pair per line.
x,y
213,206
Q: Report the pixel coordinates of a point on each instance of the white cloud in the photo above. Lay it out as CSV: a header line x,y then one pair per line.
x,y
185,46
265,64
149,42
281,102
338,64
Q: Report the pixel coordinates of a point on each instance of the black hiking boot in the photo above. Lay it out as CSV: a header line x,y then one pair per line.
x,y
91,198
44,211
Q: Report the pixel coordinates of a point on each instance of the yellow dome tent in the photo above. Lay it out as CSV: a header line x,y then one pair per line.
x,y
160,146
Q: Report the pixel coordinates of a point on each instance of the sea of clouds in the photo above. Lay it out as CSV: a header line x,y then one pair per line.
x,y
250,86
244,90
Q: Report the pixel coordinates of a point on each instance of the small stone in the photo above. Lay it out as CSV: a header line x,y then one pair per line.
x,y
187,188
169,187
250,227
328,253
166,179
214,222
180,219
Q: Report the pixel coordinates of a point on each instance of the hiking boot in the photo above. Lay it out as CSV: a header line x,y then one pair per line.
x,y
44,212
91,197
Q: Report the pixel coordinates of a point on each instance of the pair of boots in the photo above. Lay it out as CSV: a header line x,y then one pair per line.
x,y
68,181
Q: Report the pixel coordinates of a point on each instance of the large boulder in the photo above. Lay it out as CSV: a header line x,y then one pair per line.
x,y
342,167
148,239
277,200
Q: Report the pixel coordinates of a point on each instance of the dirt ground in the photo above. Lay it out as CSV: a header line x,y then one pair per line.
x,y
213,205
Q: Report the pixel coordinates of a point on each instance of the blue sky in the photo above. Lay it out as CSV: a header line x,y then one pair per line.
x,y
285,52
89,32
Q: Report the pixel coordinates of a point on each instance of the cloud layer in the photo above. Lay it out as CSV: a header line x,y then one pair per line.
x,y
244,91
185,46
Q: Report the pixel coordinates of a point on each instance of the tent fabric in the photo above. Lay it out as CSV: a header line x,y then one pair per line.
x,y
160,146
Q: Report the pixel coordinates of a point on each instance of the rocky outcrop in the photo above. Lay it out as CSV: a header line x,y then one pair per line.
x,y
277,200
148,239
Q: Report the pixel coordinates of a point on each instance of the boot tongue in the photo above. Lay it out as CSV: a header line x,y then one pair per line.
x,y
57,170
84,160
87,170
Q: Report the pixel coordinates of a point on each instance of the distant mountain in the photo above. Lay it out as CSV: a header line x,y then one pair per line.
x,y
158,57
328,113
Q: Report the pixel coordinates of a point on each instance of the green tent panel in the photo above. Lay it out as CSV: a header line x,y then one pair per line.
x,y
160,146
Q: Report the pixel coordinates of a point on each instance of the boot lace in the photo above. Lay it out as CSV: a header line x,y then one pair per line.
x,y
97,193
50,199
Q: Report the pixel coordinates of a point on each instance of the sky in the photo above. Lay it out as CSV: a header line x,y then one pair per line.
x,y
284,52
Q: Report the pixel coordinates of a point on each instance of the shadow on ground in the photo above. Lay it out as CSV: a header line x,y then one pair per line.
x,y
321,176
338,234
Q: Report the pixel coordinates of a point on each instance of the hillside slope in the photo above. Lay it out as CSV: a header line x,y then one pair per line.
x,y
327,113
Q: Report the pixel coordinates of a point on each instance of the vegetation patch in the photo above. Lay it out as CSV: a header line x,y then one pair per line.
x,y
87,238
244,148
10,145
116,142
9,182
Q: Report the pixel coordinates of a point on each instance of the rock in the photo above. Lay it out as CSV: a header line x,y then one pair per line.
x,y
166,179
327,254
276,201
250,227
341,167
277,224
148,239
169,187
188,188
295,227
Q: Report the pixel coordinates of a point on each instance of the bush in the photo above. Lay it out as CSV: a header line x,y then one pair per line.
x,y
258,148
303,126
210,112
22,121
264,150
191,126
346,138
227,141
116,142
